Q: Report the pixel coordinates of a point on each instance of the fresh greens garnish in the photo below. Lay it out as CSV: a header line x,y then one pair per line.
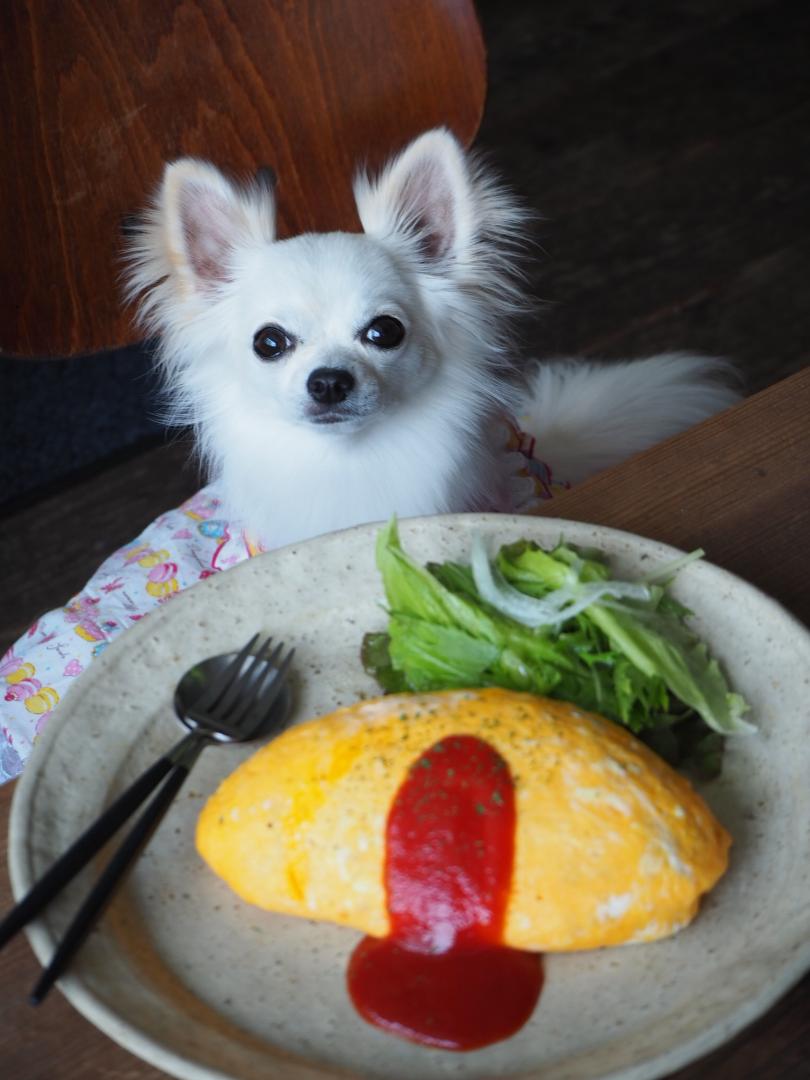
x,y
556,623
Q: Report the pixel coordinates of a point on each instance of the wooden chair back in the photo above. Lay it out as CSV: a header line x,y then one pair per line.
x,y
97,94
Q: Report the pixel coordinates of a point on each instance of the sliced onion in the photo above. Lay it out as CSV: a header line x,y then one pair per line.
x,y
668,570
552,609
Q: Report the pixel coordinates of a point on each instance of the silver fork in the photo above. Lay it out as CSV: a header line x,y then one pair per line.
x,y
243,700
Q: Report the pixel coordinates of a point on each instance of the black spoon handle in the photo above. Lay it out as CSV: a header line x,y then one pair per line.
x,y
115,870
92,840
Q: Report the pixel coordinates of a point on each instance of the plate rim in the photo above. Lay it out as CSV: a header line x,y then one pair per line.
x,y
150,1049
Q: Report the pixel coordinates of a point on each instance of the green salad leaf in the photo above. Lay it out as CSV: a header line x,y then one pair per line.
x,y
556,623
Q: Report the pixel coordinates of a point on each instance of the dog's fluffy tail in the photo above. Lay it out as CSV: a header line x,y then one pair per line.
x,y
587,416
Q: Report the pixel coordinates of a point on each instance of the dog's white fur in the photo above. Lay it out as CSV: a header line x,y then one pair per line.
x,y
418,433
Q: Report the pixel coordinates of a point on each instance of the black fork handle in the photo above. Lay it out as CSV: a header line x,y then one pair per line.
x,y
135,841
80,853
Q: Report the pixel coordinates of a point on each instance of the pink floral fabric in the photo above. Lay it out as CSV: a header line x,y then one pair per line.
x,y
175,551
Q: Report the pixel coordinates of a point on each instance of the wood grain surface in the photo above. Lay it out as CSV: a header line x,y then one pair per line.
x,y
738,485
95,95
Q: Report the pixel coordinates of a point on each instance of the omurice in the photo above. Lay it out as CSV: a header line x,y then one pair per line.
x,y
610,845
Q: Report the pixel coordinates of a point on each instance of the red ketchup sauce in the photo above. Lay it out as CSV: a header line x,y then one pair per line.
x,y
443,977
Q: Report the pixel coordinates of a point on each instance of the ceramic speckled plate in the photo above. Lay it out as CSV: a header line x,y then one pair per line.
x,y
201,985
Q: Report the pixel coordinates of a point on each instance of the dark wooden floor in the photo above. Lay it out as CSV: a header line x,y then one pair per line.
x,y
666,144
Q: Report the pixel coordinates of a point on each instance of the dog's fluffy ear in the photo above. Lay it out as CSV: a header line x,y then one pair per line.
x,y
185,244
446,214
203,218
425,198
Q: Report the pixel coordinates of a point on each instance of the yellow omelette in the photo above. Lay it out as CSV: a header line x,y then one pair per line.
x,y
611,845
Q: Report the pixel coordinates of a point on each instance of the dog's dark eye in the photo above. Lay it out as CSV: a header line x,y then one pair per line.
x,y
385,332
271,342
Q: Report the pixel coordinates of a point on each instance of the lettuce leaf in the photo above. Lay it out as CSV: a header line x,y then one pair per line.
x,y
632,659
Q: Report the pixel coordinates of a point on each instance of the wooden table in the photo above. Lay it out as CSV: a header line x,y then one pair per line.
x,y
736,486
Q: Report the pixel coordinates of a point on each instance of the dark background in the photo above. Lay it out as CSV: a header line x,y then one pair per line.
x,y
668,144
665,146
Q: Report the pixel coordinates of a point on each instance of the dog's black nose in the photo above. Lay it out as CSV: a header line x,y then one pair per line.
x,y
328,385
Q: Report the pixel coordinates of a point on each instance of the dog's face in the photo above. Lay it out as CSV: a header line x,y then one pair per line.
x,y
328,332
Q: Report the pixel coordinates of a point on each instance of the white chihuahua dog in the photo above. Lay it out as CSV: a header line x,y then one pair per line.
x,y
339,378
